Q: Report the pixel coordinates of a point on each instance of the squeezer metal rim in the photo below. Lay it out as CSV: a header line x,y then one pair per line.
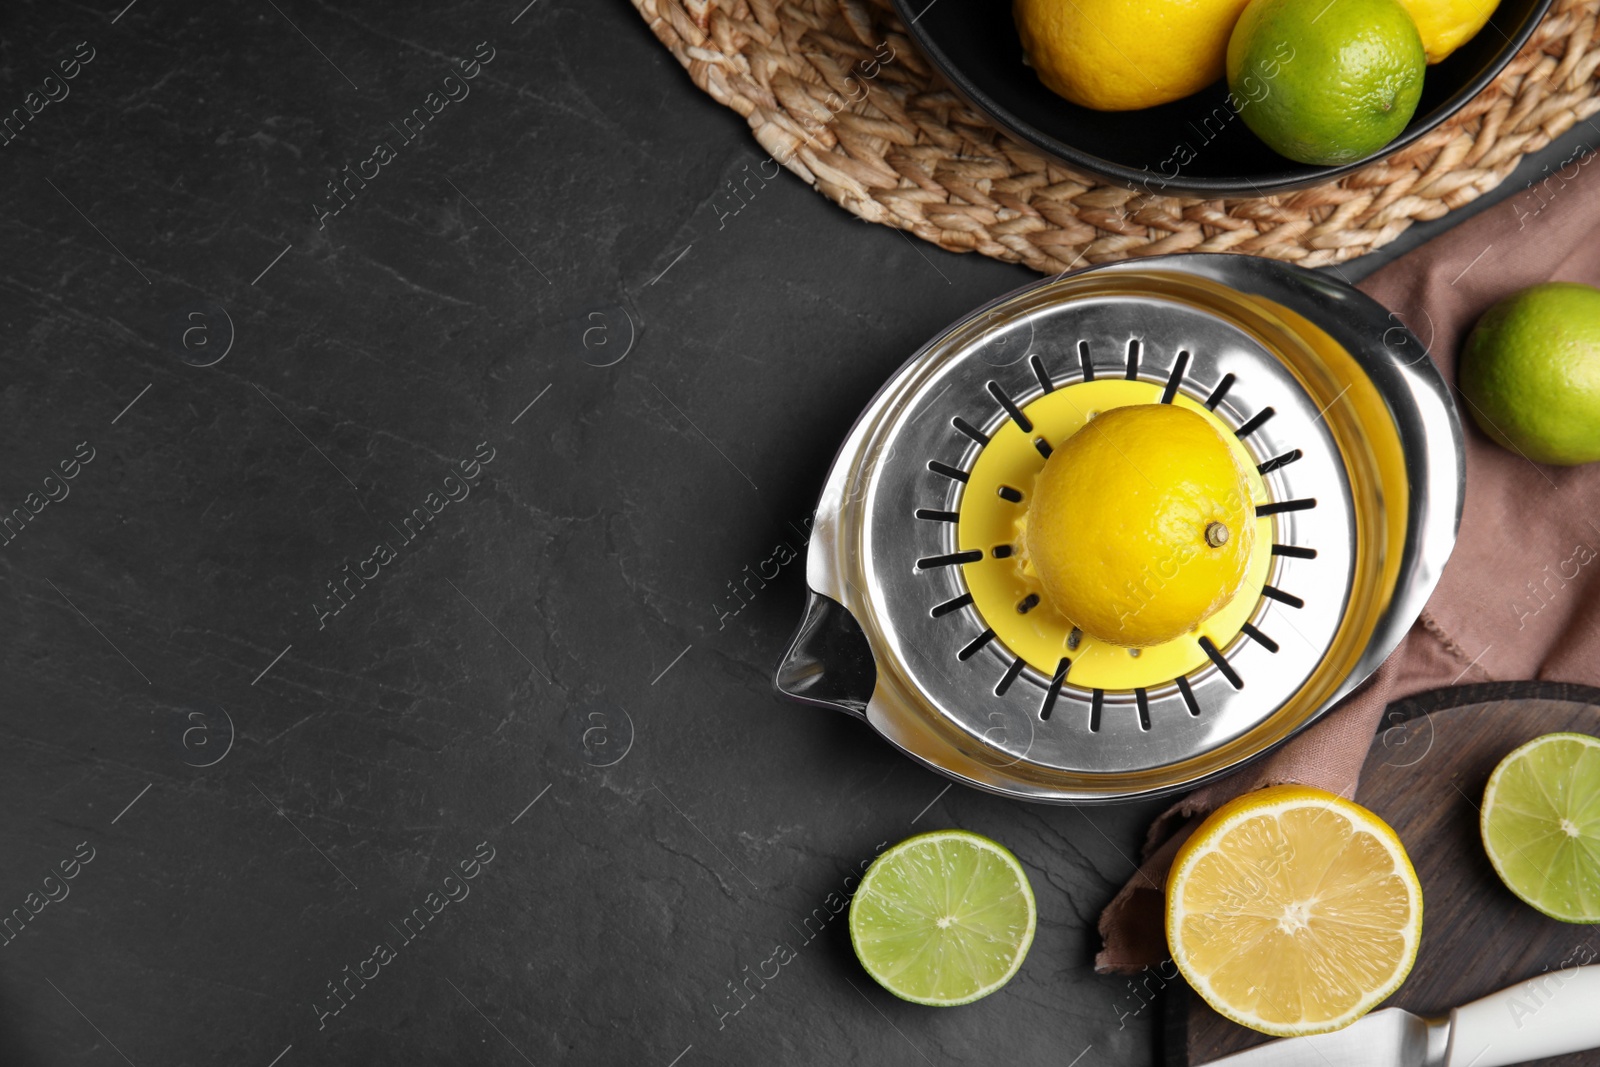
x,y
1384,430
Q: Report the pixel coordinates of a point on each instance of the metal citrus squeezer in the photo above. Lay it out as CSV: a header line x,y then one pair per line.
x,y
919,620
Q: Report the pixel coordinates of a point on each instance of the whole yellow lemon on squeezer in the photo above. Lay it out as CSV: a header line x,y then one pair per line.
x,y
1141,525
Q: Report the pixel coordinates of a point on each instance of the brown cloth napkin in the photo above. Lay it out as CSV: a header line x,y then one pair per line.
x,y
1520,598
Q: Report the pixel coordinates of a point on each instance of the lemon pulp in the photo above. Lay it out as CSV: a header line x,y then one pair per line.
x,y
1293,911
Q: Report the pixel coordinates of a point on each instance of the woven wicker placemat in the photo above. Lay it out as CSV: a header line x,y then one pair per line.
x,y
835,91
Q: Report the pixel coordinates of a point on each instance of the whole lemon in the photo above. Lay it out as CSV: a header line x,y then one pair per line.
x,y
1326,81
1119,55
1446,25
1530,371
1141,524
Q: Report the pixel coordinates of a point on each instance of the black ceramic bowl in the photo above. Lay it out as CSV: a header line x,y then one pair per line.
x,y
1196,146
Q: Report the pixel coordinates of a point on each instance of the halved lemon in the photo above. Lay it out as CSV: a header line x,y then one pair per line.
x,y
1293,911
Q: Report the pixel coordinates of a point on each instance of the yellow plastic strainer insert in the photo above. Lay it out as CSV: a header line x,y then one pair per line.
x,y
1012,602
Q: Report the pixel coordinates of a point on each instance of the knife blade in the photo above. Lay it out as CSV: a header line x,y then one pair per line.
x,y
1551,1015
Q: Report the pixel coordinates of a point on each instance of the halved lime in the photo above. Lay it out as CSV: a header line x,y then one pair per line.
x,y
1541,825
943,918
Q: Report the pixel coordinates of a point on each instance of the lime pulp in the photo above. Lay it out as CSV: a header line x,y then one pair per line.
x,y
1541,825
943,918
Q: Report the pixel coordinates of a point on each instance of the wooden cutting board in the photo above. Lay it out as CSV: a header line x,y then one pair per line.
x,y
1425,776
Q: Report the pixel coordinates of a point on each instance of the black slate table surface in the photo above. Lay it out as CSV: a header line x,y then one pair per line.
x,y
382,654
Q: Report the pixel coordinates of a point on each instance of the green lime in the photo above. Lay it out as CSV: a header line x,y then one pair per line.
x,y
1325,81
1541,825
943,918
1530,371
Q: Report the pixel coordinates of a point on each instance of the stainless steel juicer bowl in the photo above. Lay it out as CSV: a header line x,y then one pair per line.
x,y
917,620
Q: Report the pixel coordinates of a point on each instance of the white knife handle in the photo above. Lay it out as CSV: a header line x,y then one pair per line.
x,y
1551,1015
